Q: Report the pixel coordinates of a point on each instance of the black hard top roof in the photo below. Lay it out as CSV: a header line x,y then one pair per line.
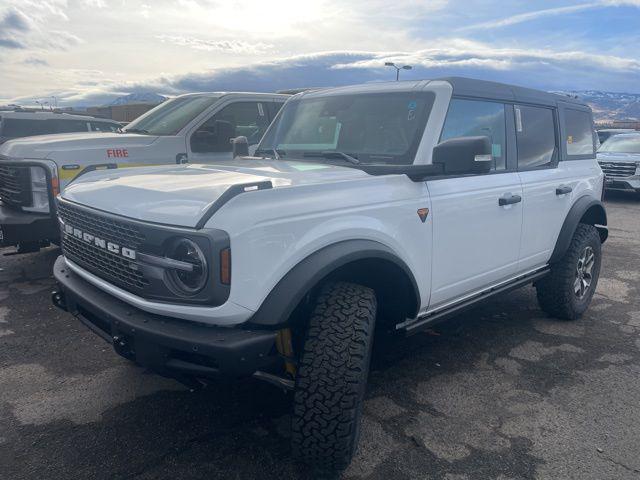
x,y
469,87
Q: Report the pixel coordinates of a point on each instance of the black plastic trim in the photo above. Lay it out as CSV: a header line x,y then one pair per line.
x,y
301,279
577,211
230,193
427,321
156,242
169,346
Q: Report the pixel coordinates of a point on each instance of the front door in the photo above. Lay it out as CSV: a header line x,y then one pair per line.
x,y
477,219
212,140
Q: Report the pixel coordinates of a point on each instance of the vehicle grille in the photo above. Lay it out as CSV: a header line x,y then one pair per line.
x,y
618,169
15,186
119,270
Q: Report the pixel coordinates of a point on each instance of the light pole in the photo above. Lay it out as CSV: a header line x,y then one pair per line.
x,y
404,67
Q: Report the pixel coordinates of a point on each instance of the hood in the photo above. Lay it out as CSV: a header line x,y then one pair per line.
x,y
180,195
618,157
43,146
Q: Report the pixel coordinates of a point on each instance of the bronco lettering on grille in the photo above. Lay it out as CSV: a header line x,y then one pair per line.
x,y
100,242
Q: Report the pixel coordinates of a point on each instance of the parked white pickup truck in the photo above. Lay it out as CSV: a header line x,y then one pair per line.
x,y
190,128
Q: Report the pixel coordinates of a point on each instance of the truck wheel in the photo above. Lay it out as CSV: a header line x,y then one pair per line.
x,y
567,291
332,377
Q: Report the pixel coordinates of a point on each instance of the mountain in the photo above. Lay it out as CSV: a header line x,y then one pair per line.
x,y
609,106
142,97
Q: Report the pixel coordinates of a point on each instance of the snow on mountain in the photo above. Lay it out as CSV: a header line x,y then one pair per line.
x,y
609,106
142,97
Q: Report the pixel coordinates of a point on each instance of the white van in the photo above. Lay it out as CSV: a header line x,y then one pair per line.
x,y
190,128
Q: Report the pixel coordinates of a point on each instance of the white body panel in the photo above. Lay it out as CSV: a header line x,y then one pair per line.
x,y
545,211
475,240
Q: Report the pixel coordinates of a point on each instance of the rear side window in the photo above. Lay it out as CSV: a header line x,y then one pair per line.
x,y
471,118
535,137
17,127
579,131
69,126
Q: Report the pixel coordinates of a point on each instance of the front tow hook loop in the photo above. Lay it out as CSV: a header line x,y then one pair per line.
x,y
58,300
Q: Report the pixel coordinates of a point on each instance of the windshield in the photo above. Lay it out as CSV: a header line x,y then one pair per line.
x,y
379,128
622,144
170,117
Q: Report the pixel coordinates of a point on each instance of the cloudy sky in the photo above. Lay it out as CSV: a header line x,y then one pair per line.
x,y
91,51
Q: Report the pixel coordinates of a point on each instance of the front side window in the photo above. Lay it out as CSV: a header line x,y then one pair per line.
x,y
170,117
579,131
248,119
472,118
621,144
104,127
375,128
535,137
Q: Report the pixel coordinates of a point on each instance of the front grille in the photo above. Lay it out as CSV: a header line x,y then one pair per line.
x,y
618,169
119,270
15,186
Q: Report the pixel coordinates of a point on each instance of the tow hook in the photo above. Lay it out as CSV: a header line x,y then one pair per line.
x,y
58,300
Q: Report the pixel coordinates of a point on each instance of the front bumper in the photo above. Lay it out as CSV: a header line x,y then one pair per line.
x,y
623,183
168,346
18,227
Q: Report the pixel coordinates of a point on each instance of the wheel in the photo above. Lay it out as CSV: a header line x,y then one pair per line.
x,y
567,291
332,377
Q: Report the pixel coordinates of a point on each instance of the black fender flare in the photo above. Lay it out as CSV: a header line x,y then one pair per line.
x,y
301,279
595,215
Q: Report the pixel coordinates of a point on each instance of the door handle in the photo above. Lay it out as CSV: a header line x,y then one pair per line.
x,y
509,200
563,190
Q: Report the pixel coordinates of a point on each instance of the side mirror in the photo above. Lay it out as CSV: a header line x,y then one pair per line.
x,y
464,155
240,147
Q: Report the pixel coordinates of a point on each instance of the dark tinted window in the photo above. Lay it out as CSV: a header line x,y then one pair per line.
x,y
380,128
68,126
274,108
535,136
248,119
18,127
104,127
579,130
471,118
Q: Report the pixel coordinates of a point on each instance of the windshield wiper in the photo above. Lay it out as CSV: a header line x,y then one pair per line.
x,y
136,130
333,154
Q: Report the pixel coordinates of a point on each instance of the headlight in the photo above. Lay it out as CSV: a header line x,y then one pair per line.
x,y
190,273
39,191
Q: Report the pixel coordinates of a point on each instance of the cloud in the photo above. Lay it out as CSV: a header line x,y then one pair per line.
x,y
36,62
549,12
10,43
27,25
15,20
232,46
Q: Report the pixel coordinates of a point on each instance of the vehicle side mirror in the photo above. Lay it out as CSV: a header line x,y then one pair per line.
x,y
240,147
464,155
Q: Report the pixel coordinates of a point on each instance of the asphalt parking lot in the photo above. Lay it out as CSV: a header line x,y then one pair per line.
x,y
501,392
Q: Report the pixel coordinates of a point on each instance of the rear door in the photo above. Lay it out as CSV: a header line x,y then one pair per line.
x,y
547,184
476,240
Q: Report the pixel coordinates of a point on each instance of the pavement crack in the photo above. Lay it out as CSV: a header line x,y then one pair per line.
x,y
620,464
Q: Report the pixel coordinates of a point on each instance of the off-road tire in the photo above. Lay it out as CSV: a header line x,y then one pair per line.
x,y
556,294
332,377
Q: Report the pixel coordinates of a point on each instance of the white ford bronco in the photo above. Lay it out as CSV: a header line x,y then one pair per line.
x,y
374,208
194,127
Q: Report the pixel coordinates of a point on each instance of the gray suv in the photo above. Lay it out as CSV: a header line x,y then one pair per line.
x,y
619,158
